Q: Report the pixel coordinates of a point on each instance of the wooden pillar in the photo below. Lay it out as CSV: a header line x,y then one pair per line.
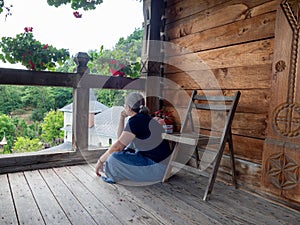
x,y
281,154
151,52
81,107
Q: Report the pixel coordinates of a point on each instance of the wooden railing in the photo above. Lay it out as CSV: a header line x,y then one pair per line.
x,y
81,82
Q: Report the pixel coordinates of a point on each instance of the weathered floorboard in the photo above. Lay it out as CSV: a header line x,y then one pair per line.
x,y
76,213
49,207
75,195
163,204
127,210
7,211
230,202
95,207
27,209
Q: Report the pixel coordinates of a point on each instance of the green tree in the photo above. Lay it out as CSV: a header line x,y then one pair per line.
x,y
40,99
125,56
25,130
10,98
62,96
111,97
7,128
76,4
25,144
51,126
126,51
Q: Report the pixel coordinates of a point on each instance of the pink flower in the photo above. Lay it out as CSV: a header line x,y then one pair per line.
x,y
77,14
45,46
28,29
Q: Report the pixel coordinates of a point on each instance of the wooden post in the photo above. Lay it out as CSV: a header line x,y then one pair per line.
x,y
80,107
151,52
281,155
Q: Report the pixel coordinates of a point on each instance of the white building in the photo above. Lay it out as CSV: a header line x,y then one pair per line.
x,y
103,125
106,125
95,107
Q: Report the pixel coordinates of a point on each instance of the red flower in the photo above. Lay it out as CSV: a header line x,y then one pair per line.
x,y
116,72
116,68
28,29
45,46
32,65
163,117
77,14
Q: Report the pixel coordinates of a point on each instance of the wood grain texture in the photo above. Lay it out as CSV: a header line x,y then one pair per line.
x,y
248,54
193,9
260,27
176,202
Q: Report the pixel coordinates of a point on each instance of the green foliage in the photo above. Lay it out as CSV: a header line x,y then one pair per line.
x,y
111,97
25,130
44,99
53,121
7,128
76,4
10,98
31,53
124,57
61,96
25,144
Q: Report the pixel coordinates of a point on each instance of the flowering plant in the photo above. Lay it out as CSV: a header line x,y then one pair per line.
x,y
163,117
31,53
122,69
77,14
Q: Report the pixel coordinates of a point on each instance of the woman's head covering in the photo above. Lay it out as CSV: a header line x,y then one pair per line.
x,y
136,102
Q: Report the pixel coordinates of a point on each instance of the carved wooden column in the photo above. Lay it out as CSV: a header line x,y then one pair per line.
x,y
281,155
80,107
151,52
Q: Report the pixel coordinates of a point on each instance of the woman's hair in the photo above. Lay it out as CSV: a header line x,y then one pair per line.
x,y
136,103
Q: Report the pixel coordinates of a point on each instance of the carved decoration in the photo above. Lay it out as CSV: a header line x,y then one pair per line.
x,y
280,66
286,120
282,171
286,116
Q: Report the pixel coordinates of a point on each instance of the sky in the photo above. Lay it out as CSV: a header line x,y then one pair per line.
x,y
58,27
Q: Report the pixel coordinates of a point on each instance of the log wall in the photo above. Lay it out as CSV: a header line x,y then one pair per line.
x,y
228,46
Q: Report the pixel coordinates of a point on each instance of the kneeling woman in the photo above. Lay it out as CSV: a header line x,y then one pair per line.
x,y
140,154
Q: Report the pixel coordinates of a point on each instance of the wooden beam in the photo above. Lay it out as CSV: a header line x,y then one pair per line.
x,y
109,82
35,160
38,78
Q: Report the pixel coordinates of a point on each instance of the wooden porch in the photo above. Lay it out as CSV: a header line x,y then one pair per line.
x,y
75,195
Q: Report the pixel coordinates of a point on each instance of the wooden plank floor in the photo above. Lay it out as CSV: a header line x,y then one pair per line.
x,y
74,195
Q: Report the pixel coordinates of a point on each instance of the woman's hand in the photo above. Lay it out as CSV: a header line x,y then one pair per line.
x,y
99,167
123,114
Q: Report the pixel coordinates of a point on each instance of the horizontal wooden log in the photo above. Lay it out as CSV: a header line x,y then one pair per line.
x,y
35,160
247,77
257,28
248,148
247,54
193,17
45,78
39,78
251,101
111,82
245,124
248,173
177,9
